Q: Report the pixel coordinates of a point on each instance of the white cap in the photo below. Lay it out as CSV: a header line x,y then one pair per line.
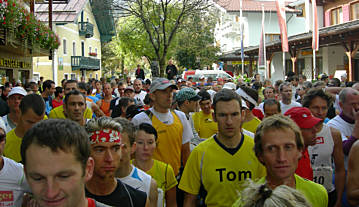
x,y
230,85
17,90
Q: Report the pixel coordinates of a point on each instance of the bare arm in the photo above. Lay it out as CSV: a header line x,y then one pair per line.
x,y
153,193
353,176
171,197
190,200
185,151
97,110
339,165
147,203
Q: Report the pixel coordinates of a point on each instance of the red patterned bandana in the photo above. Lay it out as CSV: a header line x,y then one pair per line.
x,y
105,135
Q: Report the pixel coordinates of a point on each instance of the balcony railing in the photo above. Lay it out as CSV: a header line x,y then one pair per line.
x,y
85,63
86,29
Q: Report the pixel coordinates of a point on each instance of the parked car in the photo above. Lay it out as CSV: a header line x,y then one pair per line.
x,y
215,74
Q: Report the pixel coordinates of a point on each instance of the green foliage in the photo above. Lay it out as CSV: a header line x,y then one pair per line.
x,y
199,51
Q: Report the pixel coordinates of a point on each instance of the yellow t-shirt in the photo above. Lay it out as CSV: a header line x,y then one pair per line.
x,y
58,113
204,124
12,146
251,125
221,171
314,193
163,174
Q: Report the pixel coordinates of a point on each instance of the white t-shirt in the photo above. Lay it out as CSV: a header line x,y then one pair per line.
x,y
285,107
344,127
321,158
139,97
13,184
166,118
138,180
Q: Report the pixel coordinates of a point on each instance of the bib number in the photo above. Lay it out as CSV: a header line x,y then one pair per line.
x,y
323,176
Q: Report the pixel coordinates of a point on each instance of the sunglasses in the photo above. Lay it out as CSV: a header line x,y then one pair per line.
x,y
2,137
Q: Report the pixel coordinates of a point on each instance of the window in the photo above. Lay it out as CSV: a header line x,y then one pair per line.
x,y
96,50
73,76
336,16
96,76
64,46
90,75
272,37
354,11
90,49
74,49
66,76
301,8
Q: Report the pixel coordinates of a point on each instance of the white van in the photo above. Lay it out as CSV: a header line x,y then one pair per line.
x,y
215,74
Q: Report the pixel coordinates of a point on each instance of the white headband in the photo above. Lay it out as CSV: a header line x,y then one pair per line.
x,y
244,95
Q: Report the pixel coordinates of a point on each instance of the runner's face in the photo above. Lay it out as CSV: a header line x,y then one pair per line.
x,y
107,90
56,178
269,93
29,118
145,145
163,98
75,107
319,108
229,118
107,157
270,110
14,102
137,85
70,87
206,106
286,92
280,154
309,134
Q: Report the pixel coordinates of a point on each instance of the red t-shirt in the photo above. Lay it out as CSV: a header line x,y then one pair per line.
x,y
56,103
304,168
91,202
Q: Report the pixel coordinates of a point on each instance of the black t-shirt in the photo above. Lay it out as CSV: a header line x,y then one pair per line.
x,y
123,196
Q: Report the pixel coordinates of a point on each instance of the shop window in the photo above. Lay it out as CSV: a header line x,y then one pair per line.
x,y
336,16
354,11
66,76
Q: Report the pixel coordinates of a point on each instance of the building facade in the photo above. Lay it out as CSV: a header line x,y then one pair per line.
x,y
79,54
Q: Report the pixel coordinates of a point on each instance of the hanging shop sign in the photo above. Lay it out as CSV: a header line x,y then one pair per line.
x,y
13,63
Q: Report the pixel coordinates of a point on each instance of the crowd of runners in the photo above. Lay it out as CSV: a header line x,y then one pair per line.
x,y
174,142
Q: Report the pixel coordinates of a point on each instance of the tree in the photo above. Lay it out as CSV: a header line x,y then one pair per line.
x,y
161,20
200,51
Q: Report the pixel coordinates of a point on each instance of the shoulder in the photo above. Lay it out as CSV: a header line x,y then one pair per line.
x,y
10,135
141,118
134,193
334,131
305,185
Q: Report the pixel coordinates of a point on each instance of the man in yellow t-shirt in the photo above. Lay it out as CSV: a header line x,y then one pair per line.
x,y
203,120
279,145
58,112
221,163
32,110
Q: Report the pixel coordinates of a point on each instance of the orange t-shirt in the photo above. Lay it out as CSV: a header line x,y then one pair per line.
x,y
105,107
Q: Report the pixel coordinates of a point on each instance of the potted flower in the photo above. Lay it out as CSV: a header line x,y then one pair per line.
x,y
93,54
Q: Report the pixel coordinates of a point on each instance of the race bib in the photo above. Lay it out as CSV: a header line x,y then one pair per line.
x,y
323,176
